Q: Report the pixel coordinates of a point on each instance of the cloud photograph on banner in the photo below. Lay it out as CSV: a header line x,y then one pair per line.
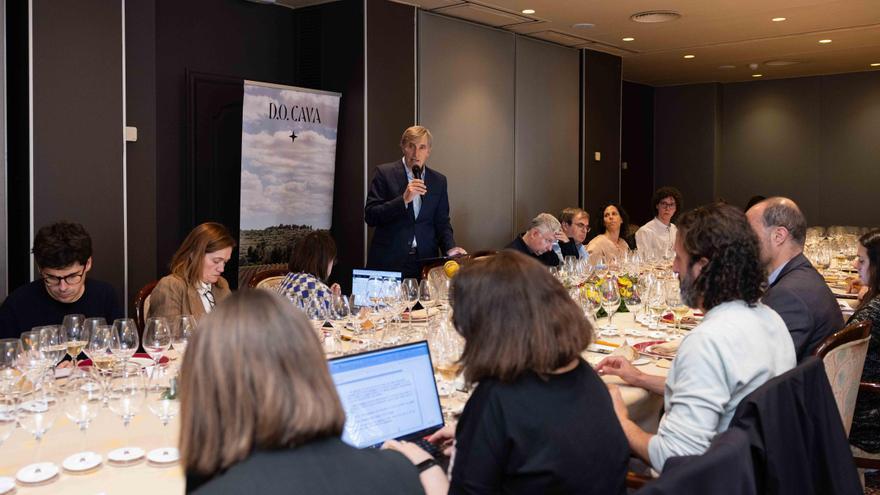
x,y
288,159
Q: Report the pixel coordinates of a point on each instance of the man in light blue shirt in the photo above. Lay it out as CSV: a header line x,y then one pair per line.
x,y
739,345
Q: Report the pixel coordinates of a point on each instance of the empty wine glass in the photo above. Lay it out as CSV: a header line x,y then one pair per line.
x,y
10,350
182,329
36,415
317,314
157,337
82,402
127,391
8,423
610,299
31,360
633,301
410,288
125,339
163,401
656,301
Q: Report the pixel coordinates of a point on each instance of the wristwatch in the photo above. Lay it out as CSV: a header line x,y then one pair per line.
x,y
426,464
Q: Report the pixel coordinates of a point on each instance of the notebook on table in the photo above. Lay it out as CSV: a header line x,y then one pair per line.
x,y
387,394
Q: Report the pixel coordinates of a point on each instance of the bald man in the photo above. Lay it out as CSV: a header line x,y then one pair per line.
x,y
795,289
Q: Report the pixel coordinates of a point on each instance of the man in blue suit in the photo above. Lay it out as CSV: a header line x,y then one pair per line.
x,y
409,208
795,289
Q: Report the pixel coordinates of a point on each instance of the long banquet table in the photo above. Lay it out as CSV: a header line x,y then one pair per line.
x,y
146,431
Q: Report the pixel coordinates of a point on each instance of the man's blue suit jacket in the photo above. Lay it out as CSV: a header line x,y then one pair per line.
x,y
395,223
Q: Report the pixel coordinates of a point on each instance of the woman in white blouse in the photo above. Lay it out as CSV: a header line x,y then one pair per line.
x,y
609,244
656,238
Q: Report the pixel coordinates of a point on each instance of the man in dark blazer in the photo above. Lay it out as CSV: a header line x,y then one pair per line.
x,y
796,290
409,208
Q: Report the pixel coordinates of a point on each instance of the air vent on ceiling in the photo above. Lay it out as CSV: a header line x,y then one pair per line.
x,y
781,63
655,16
484,14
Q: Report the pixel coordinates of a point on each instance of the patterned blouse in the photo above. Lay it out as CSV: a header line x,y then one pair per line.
x,y
865,432
300,287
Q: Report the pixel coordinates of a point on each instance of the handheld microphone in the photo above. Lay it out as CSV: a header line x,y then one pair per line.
x,y
417,172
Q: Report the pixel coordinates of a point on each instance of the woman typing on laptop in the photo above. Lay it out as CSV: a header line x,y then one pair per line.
x,y
540,419
260,414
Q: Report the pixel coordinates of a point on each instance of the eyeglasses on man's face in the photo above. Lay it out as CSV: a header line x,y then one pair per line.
x,y
69,279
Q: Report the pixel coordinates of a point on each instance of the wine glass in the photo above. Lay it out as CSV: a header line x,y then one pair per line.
x,y
100,351
77,333
53,344
444,292
125,339
410,287
163,401
36,415
338,314
673,300
656,301
427,297
8,423
127,393
31,360
82,401
182,328
317,314
157,337
10,350
633,300
610,299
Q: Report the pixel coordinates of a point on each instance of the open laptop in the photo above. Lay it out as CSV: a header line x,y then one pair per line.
x,y
387,394
359,279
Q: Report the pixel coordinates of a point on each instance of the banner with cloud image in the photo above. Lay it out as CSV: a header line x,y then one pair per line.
x,y
288,161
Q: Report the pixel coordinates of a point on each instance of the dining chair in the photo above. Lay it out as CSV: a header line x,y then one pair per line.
x,y
843,354
142,305
268,279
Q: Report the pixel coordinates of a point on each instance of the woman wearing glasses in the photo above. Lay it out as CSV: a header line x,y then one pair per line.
x,y
195,284
266,418
63,253
657,236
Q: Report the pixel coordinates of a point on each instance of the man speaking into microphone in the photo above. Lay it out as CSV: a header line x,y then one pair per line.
x,y
408,205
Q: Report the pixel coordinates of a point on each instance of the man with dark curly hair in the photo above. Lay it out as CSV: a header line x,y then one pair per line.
x,y
739,345
63,254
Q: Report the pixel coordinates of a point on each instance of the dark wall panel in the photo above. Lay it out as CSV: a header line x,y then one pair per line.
x,y
637,151
601,101
140,74
685,141
78,124
547,155
466,98
391,84
849,158
18,144
771,141
242,40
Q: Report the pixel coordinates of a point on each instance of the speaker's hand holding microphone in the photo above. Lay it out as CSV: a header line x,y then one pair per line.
x,y
415,186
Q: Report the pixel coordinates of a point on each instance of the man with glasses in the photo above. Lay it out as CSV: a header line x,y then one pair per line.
x,y
537,242
657,237
575,226
63,254
795,289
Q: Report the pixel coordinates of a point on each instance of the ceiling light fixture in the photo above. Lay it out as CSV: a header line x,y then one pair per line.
x,y
875,64
689,56
824,42
628,38
757,75
778,19
528,11
655,16
584,25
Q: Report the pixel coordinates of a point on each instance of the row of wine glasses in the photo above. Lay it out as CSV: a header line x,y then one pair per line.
x,y
34,401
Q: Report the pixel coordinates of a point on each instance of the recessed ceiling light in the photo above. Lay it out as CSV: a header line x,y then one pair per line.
x,y
757,75
689,56
655,16
584,25
875,64
824,42
528,11
628,38
778,19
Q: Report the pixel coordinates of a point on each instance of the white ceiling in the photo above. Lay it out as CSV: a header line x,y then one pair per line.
x,y
716,32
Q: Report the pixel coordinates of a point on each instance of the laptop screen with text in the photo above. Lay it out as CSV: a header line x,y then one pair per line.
x,y
387,394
